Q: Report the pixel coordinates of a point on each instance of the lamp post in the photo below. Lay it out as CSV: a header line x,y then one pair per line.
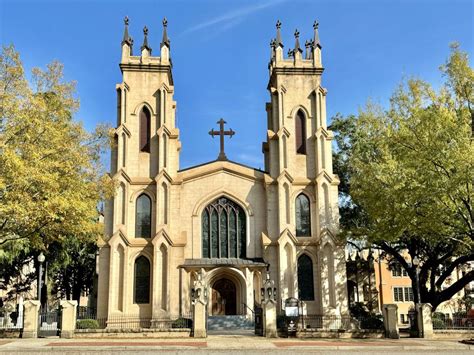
x,y
40,259
416,264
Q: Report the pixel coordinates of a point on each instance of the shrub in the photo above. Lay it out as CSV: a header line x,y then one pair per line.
x,y
372,322
87,324
182,323
438,323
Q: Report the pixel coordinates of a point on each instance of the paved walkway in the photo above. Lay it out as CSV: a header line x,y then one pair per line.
x,y
231,345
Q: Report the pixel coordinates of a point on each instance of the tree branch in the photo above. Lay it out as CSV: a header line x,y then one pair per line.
x,y
452,266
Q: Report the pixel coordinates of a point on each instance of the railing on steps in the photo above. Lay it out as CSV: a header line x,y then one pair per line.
x,y
251,310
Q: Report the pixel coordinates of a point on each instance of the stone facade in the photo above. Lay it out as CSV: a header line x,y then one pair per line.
x,y
179,198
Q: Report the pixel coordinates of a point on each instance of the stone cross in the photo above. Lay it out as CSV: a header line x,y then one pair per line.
x,y
221,132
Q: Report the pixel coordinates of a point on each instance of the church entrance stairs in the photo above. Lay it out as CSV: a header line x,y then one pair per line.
x,y
230,325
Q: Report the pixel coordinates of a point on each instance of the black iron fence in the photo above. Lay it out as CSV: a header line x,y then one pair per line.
x,y
329,323
459,320
87,319
49,322
11,320
324,322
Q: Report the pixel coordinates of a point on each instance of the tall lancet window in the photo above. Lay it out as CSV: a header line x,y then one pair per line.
x,y
223,230
305,278
300,132
145,129
142,280
303,216
143,217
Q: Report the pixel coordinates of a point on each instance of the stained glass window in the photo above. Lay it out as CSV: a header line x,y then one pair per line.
x,y
300,130
224,233
143,217
303,216
142,280
145,130
305,278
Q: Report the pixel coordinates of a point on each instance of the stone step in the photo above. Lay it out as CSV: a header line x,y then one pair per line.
x,y
229,322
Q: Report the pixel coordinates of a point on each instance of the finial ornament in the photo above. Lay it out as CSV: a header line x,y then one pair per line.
x,y
316,41
126,37
165,41
145,40
297,42
278,36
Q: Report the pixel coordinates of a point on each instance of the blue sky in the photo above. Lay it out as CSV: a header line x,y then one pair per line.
x,y
220,51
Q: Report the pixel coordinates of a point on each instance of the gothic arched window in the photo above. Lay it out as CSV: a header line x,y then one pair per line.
x,y
300,132
305,278
143,217
145,129
142,280
223,230
303,216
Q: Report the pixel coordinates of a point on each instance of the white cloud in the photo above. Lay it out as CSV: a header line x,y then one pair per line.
x,y
232,18
252,160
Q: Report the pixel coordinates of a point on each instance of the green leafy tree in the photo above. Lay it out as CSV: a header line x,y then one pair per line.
x,y
50,173
410,173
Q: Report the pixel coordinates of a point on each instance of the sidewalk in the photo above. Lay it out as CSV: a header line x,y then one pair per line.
x,y
230,344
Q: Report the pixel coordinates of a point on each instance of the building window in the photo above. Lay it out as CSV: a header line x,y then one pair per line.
x,y
305,278
145,129
408,292
224,232
143,217
303,216
403,294
398,270
300,130
142,280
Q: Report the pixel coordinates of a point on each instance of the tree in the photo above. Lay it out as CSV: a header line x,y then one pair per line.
x,y
411,171
50,173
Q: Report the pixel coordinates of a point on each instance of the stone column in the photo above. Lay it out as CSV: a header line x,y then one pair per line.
x,y
390,321
425,324
30,322
269,308
269,319
199,295
68,318
199,320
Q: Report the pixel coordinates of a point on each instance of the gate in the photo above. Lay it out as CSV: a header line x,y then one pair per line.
x,y
258,311
49,323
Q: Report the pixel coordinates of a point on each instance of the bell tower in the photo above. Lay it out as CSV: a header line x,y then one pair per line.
x,y
302,194
145,157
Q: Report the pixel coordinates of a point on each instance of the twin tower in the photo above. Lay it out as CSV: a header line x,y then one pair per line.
x,y
225,221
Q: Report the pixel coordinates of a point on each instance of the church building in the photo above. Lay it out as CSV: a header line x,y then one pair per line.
x,y
222,220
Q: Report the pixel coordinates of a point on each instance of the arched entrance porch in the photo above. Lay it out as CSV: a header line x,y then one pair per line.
x,y
223,297
228,292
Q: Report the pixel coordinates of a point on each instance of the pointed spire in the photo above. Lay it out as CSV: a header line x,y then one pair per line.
x,y
316,35
272,48
145,40
308,47
126,38
278,36
165,41
297,42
